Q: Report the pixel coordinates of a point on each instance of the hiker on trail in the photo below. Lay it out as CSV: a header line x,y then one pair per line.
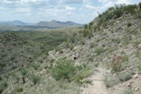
x,y
75,56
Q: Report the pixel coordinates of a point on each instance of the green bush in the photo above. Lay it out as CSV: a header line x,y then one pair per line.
x,y
130,8
116,67
129,24
139,67
133,31
85,26
66,70
87,33
35,79
115,12
17,90
63,70
3,86
128,91
125,76
24,72
82,71
111,81
98,51
78,78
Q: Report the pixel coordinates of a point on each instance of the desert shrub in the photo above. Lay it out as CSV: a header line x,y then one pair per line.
x,y
126,40
66,70
116,40
133,31
90,58
111,81
35,79
0,78
130,8
115,12
3,86
24,72
17,90
85,26
87,33
82,71
92,45
2,65
120,9
138,15
119,64
72,39
34,65
116,67
124,65
63,70
61,87
129,24
139,67
90,24
124,58
100,22
128,91
98,51
15,76
78,78
125,76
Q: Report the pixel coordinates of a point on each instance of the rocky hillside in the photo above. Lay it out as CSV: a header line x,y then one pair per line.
x,y
19,48
104,58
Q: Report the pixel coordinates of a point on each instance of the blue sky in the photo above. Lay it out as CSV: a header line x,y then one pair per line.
x,y
80,11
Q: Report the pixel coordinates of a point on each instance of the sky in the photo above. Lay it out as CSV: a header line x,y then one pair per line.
x,y
32,11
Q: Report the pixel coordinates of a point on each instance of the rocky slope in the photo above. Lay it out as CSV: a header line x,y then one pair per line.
x,y
106,39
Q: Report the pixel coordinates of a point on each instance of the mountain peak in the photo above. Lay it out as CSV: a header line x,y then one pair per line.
x,y
57,24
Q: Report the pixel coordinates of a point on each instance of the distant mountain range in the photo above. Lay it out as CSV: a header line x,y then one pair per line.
x,y
41,24
15,22
55,23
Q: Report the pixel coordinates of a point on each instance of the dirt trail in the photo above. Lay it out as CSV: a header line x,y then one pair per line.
x,y
97,86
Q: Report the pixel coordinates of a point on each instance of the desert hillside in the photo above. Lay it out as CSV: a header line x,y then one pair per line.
x,y
103,58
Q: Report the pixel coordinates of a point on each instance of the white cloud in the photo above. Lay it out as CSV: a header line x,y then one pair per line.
x,y
86,1
28,1
68,8
33,2
57,11
51,12
90,7
127,1
119,1
104,1
22,10
71,1
69,13
7,1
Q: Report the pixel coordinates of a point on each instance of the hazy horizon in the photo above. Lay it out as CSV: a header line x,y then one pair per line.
x,y
36,22
33,11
